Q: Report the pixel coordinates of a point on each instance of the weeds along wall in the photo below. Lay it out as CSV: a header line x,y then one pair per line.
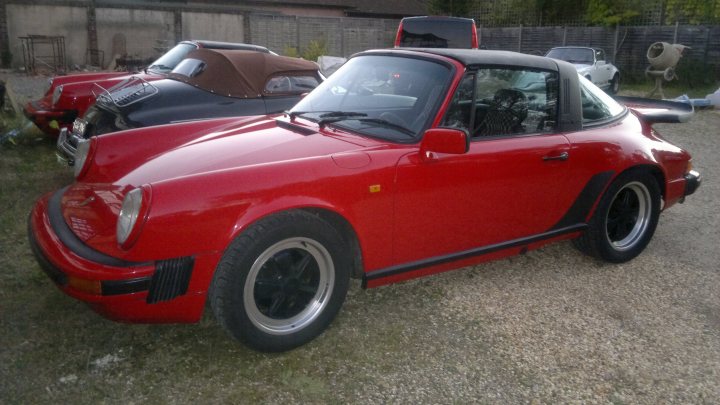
x,y
143,30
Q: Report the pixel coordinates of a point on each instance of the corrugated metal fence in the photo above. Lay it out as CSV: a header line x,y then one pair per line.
x,y
626,46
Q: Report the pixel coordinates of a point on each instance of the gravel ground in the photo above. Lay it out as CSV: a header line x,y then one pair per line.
x,y
551,326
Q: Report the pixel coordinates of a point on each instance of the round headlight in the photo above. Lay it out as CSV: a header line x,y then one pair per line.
x,y
79,127
128,214
81,154
48,86
56,94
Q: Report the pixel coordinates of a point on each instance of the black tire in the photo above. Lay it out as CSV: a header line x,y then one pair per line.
x,y
614,84
625,219
281,282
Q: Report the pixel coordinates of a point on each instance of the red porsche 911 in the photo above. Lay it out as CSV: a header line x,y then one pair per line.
x,y
402,164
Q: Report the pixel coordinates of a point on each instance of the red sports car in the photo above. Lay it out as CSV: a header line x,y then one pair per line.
x,y
402,164
68,97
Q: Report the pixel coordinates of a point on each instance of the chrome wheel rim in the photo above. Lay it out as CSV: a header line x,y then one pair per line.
x,y
628,216
289,285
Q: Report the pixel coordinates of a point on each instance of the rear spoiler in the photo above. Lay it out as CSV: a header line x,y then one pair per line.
x,y
658,111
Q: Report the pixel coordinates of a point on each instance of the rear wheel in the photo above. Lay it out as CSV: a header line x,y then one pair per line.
x,y
625,219
281,283
614,84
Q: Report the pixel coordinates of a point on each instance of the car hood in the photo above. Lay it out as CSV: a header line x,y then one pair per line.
x,y
256,142
85,87
86,77
581,67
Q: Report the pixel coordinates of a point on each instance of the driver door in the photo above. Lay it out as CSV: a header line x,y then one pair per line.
x,y
512,183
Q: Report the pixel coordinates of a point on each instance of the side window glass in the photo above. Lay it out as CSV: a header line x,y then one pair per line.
x,y
290,84
597,106
514,102
600,55
458,114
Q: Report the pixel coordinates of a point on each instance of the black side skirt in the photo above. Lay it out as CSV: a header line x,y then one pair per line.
x,y
434,261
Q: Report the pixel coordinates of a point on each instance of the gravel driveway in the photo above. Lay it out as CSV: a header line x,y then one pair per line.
x,y
551,326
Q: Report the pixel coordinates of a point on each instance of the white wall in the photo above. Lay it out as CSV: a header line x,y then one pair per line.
x,y
213,26
142,30
70,22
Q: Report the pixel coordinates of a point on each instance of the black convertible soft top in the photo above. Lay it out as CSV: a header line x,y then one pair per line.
x,y
470,57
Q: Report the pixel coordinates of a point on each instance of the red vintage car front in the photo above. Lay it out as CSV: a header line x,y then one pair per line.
x,y
403,163
68,97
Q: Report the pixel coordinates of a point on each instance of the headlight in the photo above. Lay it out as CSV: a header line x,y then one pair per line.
x,y
79,127
80,158
129,214
48,86
56,94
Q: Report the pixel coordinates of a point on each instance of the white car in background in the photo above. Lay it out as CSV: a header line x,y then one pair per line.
x,y
591,64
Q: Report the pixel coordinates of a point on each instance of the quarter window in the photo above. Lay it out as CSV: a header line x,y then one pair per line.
x,y
504,101
290,84
597,106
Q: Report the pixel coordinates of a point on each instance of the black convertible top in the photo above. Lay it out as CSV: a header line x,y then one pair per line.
x,y
228,45
470,57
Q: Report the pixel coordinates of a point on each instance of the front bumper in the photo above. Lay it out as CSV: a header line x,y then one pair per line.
x,y
117,289
693,180
67,145
46,118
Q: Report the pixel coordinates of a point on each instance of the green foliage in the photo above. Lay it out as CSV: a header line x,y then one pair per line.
x,y
314,49
456,8
694,73
291,51
559,12
611,12
693,11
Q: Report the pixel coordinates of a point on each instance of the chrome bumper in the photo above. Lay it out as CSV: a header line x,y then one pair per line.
x,y
66,146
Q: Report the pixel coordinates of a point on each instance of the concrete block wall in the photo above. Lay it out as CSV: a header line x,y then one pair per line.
x,y
71,22
141,30
213,26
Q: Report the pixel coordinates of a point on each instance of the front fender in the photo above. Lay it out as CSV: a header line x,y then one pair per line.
x,y
118,153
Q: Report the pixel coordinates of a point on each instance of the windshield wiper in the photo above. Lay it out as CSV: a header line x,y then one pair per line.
x,y
326,114
379,121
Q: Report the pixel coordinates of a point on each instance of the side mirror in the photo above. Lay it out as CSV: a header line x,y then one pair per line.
x,y
444,140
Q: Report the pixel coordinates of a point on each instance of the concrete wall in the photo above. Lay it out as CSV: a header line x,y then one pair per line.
x,y
71,22
142,30
213,26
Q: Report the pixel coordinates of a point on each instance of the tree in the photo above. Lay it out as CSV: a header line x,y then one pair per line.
x,y
456,8
611,12
693,11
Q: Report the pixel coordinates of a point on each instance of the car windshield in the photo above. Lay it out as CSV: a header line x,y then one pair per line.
x,y
388,97
572,55
171,58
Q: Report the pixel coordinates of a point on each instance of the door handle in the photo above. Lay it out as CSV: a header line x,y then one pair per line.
x,y
562,156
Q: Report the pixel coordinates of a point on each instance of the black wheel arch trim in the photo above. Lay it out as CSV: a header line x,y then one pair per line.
x,y
580,210
72,242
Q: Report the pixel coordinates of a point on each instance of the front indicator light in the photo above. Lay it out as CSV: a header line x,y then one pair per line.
x,y
93,287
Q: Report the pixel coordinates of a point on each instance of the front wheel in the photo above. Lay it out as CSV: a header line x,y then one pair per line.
x,y
625,219
281,282
615,84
